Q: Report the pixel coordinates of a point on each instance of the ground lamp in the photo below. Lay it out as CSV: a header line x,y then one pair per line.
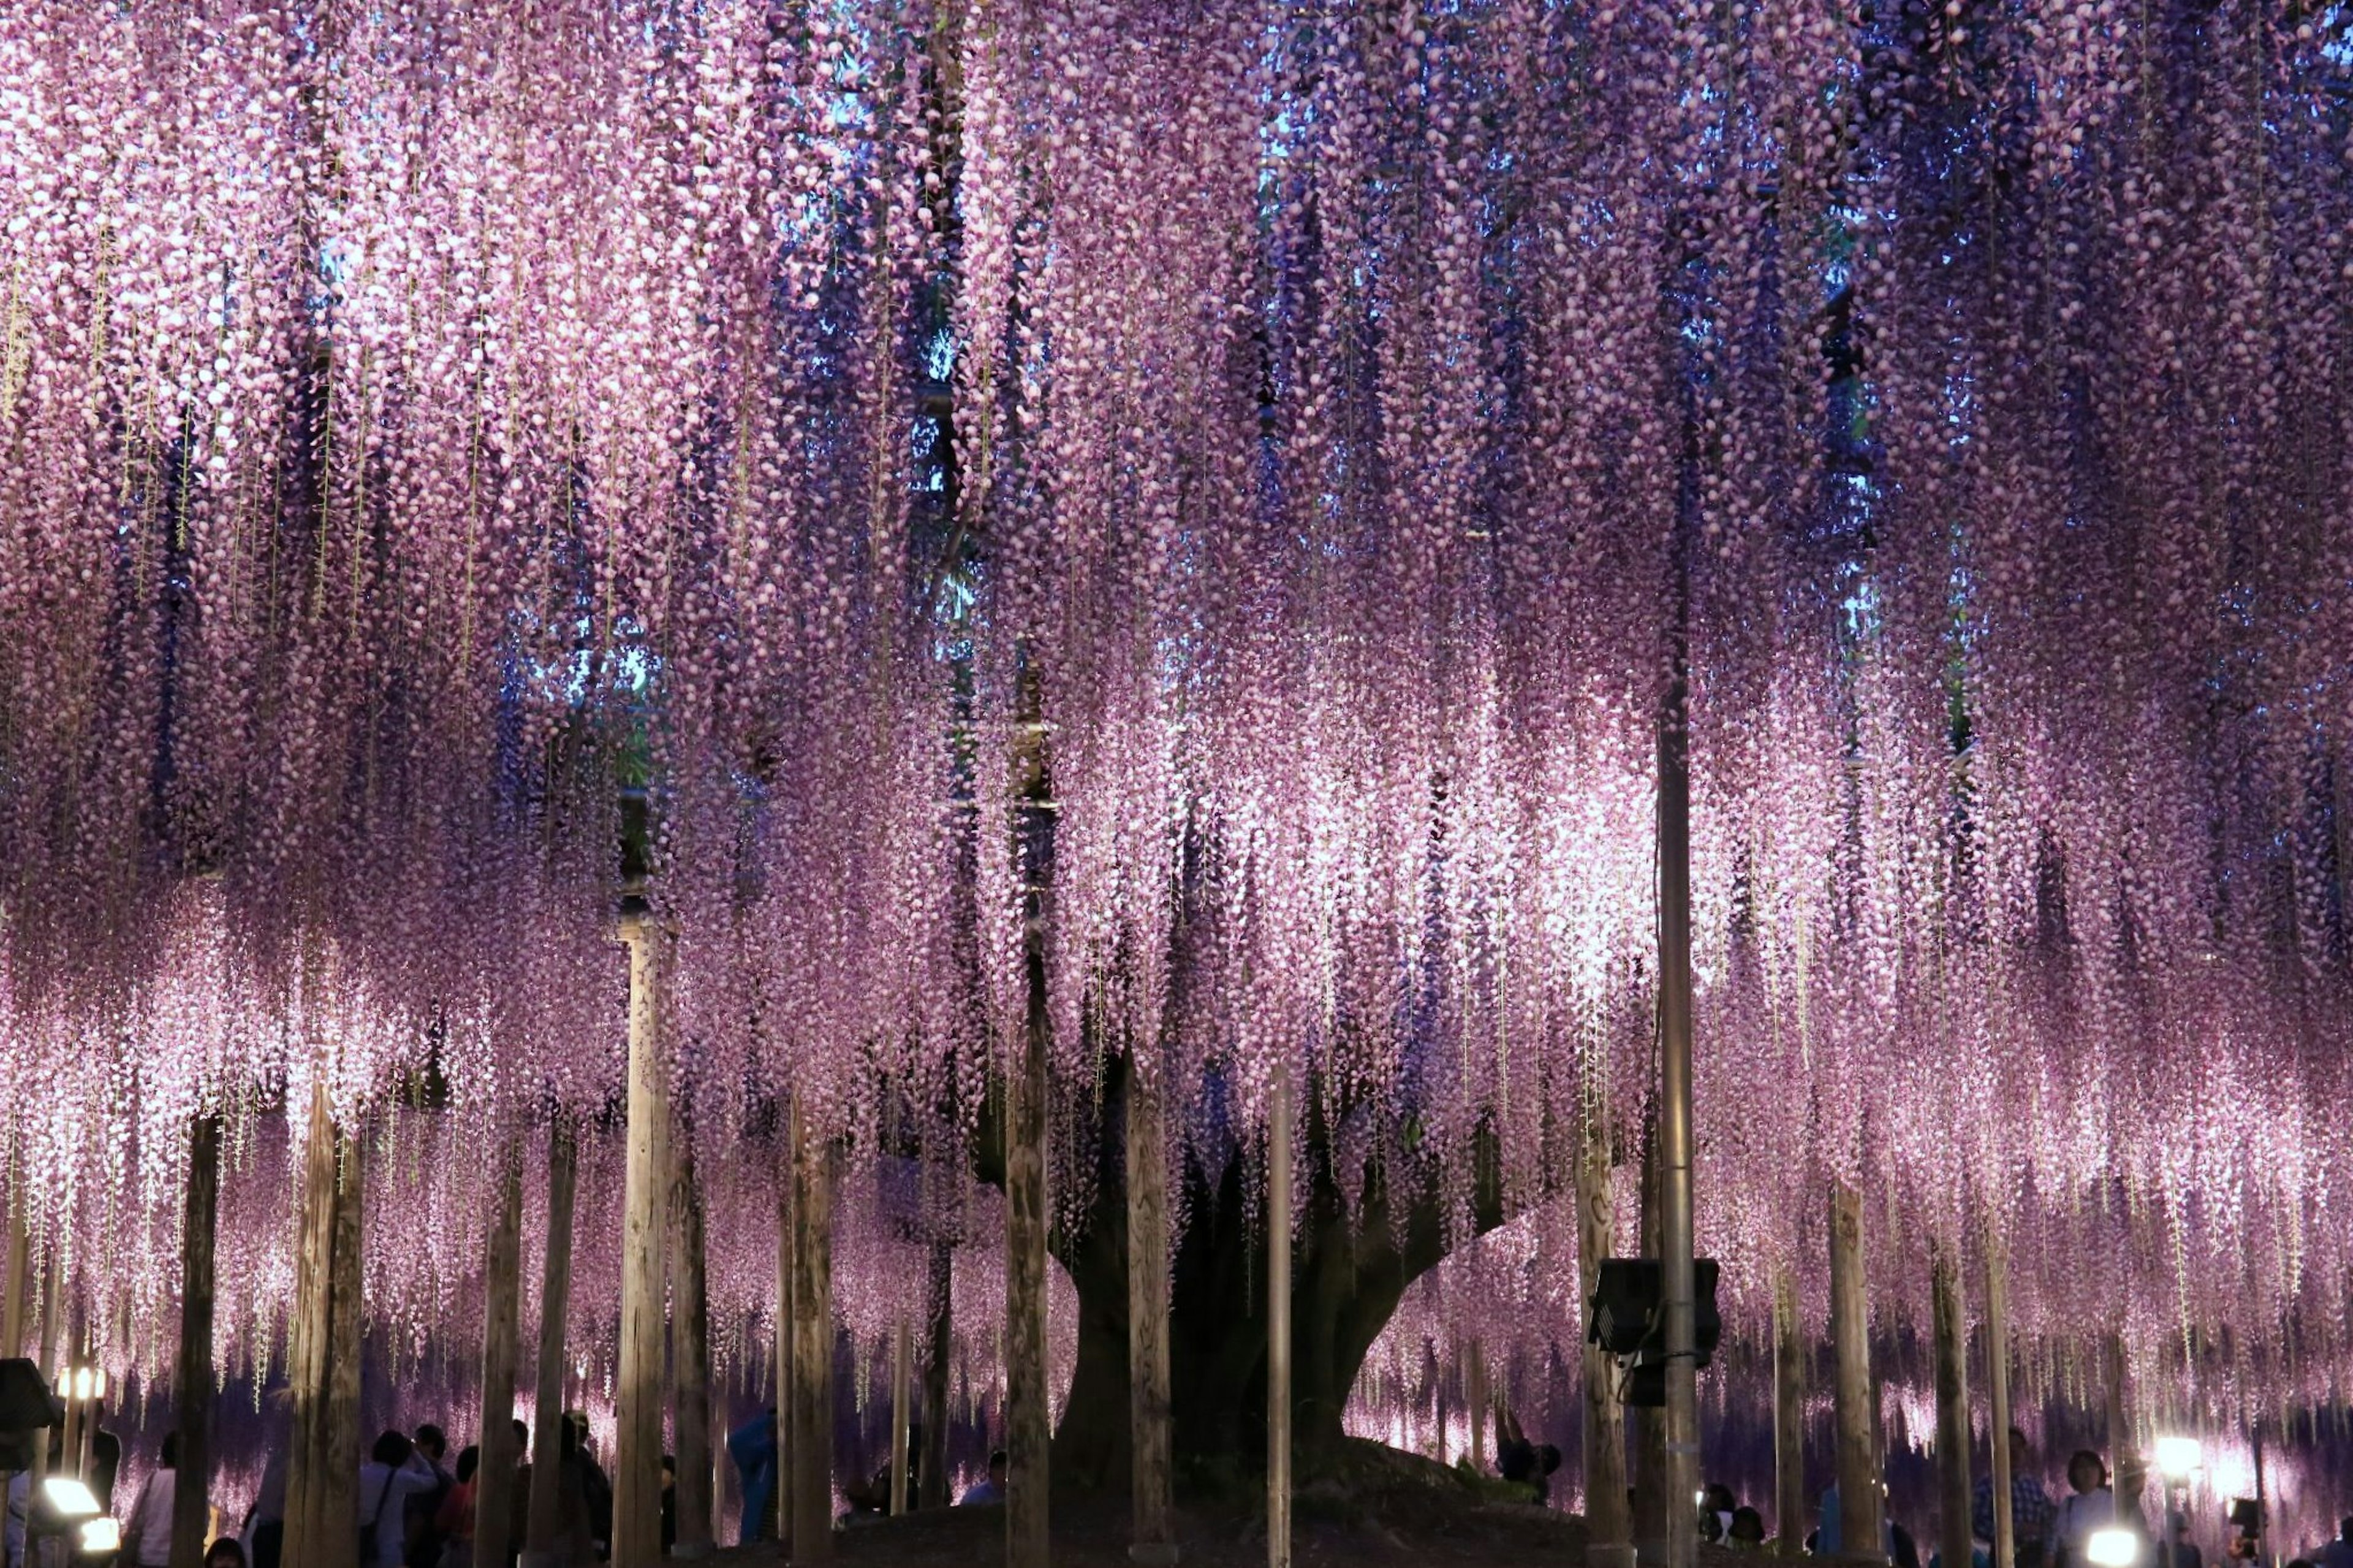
x,y
2115,1547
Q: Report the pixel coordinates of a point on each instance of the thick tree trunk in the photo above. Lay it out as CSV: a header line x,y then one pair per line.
x,y
811,1473
1349,1270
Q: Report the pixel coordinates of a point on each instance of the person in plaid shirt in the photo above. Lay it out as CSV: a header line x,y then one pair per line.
x,y
2031,1509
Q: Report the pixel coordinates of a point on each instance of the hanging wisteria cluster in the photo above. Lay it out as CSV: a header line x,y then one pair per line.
x,y
1301,437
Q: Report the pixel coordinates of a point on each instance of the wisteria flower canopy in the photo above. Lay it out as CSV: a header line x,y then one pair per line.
x,y
1303,435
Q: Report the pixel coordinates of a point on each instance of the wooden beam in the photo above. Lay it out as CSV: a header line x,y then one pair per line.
x,y
546,1517
192,1376
1952,1330
1856,1416
812,1405
1788,1418
1609,1521
1152,1539
691,1491
1278,1328
638,1448
495,1480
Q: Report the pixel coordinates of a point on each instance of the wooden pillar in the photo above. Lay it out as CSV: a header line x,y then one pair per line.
x,y
2131,1471
1952,1329
691,1359
322,1351
554,1304
638,1448
812,1405
1789,1419
192,1376
341,1452
1997,1309
1610,1524
1651,1501
1474,1395
1278,1329
903,1395
1153,1529
16,1283
1028,1411
495,1478
1856,1416
1677,1287
783,1501
940,1346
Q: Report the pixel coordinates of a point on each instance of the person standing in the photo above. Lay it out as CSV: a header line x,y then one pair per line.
x,y
453,1522
2338,1553
752,1446
387,1482
147,1543
2090,1506
2030,1508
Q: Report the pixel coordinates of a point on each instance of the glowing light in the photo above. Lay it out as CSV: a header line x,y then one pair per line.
x,y
69,1497
2112,1548
2177,1458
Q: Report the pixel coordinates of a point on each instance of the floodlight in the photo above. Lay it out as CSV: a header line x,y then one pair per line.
x,y
81,1384
70,1498
2114,1547
2178,1457
101,1535
98,1383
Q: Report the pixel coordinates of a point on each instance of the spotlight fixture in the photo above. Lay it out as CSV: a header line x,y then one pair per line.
x,y
2177,1458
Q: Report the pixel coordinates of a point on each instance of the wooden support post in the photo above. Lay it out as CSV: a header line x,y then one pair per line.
x,y
786,1251
1029,1408
638,1448
192,1376
340,1451
812,1406
1788,1418
902,1394
546,1517
16,1283
1153,1537
495,1480
2130,1469
1678,1301
691,1358
1278,1329
1474,1395
1610,1524
940,1345
1997,1310
322,1351
1028,1411
1952,1329
1652,1501
1856,1415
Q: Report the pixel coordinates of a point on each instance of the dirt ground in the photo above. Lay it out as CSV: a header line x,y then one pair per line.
x,y
1397,1511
